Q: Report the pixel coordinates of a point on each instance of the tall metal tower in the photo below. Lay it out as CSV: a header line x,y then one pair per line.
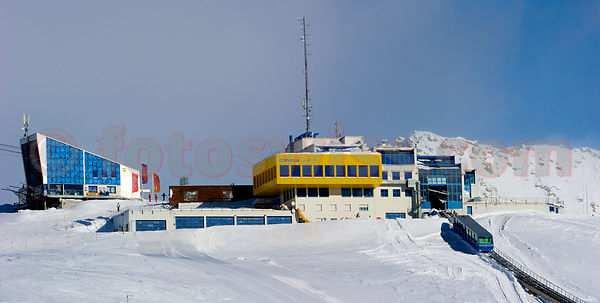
x,y
306,104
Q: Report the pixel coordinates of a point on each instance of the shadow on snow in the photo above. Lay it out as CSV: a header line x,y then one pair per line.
x,y
455,241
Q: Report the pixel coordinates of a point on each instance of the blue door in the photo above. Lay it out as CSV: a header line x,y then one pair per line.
x,y
469,210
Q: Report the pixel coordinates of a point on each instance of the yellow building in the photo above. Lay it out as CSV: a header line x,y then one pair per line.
x,y
283,171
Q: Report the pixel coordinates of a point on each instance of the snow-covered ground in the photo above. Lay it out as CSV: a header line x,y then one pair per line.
x,y
565,250
56,256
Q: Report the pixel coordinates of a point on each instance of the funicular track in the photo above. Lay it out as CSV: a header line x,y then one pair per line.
x,y
530,280
533,282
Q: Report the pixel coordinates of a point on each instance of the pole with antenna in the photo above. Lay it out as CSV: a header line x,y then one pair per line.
x,y
306,104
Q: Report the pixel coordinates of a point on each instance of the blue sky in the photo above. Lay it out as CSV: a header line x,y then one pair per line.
x,y
231,71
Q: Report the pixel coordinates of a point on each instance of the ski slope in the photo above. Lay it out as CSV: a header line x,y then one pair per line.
x,y
565,250
56,256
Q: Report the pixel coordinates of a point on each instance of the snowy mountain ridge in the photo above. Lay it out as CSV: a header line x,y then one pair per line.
x,y
538,171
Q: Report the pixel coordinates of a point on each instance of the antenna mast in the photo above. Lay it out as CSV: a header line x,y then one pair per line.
x,y
25,125
306,104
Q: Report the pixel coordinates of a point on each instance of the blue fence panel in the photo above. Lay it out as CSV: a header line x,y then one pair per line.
x,y
150,225
395,215
250,220
216,221
189,222
279,220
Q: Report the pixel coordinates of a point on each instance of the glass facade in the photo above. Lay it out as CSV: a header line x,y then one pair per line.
x,y
64,162
398,157
469,180
439,185
101,171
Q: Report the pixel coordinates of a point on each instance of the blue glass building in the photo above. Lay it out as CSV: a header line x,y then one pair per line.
x,y
440,182
55,169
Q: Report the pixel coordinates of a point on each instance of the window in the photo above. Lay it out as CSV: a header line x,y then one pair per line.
x,y
112,189
351,171
113,172
318,171
357,192
323,192
328,170
384,175
189,195
93,189
407,175
408,193
346,192
306,171
295,170
396,192
363,171
95,172
363,207
368,192
284,171
395,175
374,171
347,207
340,171
332,207
318,207
301,192
313,192
384,193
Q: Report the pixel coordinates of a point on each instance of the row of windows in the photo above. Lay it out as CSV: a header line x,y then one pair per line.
x,y
264,177
397,157
312,192
329,171
396,192
334,207
323,192
357,192
396,175
101,171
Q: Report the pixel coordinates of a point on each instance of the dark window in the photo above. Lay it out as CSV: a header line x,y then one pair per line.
x,y
340,171
384,193
351,171
295,170
384,175
301,192
396,192
306,171
95,172
318,171
374,171
93,189
189,222
407,175
408,192
368,192
329,171
395,175
112,189
323,192
284,171
346,192
113,172
363,171
357,192
313,192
